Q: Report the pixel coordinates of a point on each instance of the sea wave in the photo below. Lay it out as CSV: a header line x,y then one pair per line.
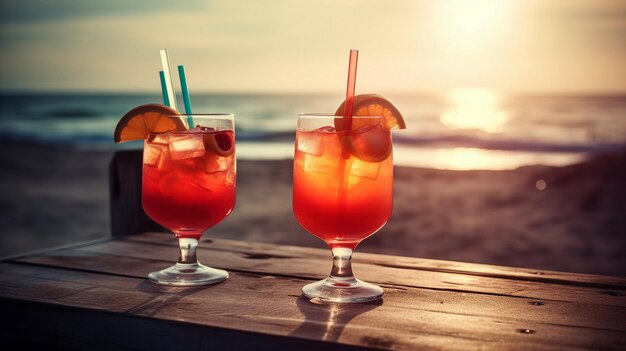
x,y
459,140
100,140
547,124
79,113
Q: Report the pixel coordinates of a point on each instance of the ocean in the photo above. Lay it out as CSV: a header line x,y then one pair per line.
x,y
465,129
57,148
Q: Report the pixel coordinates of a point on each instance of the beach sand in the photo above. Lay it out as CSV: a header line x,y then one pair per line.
x,y
56,195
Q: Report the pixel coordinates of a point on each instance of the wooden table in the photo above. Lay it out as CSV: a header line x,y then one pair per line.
x,y
96,296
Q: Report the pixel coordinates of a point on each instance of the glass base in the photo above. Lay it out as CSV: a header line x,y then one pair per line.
x,y
188,275
337,290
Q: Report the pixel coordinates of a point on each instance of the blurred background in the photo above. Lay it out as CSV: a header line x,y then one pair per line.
x,y
516,114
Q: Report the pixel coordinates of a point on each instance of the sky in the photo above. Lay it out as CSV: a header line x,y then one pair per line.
x,y
292,46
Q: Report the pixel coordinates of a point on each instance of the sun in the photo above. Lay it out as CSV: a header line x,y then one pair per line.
x,y
464,23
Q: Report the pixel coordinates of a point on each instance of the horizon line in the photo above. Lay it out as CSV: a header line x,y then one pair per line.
x,y
303,93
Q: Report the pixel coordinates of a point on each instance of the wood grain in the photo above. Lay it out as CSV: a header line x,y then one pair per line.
x,y
428,304
310,263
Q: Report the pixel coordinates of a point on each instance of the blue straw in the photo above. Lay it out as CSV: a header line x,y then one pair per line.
x,y
166,100
186,100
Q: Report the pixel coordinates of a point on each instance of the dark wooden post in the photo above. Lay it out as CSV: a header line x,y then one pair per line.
x,y
127,215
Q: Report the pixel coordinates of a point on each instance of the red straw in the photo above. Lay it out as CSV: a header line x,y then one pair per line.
x,y
347,114
347,119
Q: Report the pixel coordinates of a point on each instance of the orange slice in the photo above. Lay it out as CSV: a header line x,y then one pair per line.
x,y
372,105
370,141
138,123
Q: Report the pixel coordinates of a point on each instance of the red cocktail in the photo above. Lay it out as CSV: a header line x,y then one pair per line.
x,y
188,186
342,193
188,194
319,177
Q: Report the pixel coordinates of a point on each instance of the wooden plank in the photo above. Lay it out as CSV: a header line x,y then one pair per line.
x,y
590,315
36,325
310,263
399,261
111,258
271,305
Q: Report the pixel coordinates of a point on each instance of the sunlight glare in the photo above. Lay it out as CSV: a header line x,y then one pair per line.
x,y
466,159
474,108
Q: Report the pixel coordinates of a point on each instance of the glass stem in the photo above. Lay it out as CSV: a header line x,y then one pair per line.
x,y
342,265
188,248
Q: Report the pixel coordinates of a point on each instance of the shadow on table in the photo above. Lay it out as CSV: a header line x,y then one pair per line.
x,y
160,296
326,321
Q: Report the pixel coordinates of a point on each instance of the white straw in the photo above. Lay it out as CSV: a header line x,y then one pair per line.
x,y
165,62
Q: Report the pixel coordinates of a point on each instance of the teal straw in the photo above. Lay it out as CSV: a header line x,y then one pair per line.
x,y
186,100
166,100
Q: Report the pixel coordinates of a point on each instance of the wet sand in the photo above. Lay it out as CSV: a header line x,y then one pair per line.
x,y
54,195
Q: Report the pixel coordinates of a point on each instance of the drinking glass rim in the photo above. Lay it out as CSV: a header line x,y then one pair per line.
x,y
206,115
209,118
329,115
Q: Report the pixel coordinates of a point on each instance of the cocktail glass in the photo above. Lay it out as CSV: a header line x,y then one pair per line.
x,y
188,186
342,193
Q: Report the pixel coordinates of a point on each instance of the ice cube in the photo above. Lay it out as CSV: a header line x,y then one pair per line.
x,y
159,139
313,164
210,182
360,170
310,143
321,171
328,173
364,169
314,142
153,154
230,178
184,146
215,163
